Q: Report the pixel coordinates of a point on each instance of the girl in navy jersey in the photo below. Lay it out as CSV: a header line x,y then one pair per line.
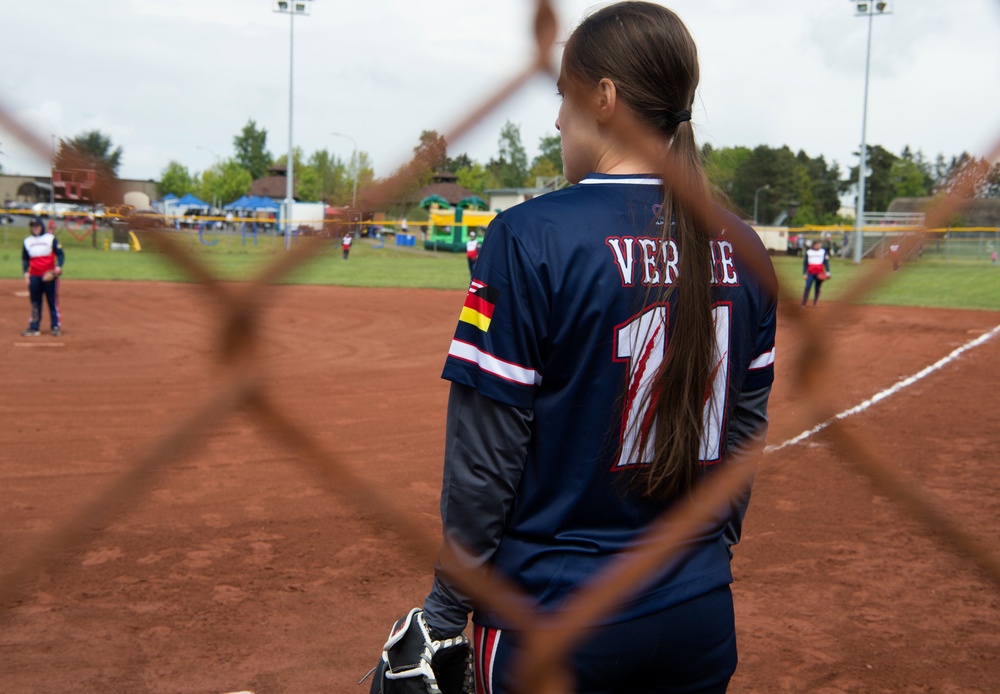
x,y
614,347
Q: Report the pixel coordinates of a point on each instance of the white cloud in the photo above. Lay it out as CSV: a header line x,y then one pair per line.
x,y
166,77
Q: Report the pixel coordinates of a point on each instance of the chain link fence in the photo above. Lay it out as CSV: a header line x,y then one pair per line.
x,y
549,637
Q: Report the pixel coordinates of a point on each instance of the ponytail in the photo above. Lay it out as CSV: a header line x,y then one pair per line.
x,y
676,400
649,54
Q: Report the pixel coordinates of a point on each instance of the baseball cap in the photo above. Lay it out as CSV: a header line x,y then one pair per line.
x,y
36,222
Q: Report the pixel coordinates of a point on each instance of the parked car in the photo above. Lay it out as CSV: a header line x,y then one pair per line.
x,y
146,219
191,217
48,209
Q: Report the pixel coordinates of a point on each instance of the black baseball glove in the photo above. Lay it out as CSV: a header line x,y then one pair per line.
x,y
415,662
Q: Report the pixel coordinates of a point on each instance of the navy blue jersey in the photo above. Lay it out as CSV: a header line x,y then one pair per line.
x,y
559,316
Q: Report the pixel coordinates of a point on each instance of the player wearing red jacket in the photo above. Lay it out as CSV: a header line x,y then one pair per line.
x,y
345,244
42,260
815,270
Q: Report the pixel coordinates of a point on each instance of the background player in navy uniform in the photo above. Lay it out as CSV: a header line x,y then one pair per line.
x,y
594,310
815,270
42,259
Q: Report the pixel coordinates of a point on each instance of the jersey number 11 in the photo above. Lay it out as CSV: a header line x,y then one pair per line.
x,y
642,343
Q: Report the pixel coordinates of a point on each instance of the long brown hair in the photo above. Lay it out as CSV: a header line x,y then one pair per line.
x,y
648,53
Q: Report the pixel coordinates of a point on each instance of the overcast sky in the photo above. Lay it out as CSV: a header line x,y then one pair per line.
x,y
178,79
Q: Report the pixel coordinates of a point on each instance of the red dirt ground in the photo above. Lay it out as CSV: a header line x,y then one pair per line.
x,y
238,570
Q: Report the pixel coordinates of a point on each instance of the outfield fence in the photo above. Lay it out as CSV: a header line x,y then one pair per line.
x,y
960,243
954,242
548,637
949,243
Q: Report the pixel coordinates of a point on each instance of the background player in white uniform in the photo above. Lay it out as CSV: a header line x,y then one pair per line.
x,y
345,244
41,260
815,270
594,312
472,251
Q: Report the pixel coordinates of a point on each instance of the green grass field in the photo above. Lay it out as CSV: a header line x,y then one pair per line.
x,y
236,259
931,281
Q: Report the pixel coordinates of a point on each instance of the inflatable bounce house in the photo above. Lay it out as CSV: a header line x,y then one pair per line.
x,y
448,227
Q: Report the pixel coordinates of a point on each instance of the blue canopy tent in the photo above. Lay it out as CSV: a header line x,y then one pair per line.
x,y
190,200
262,204
164,202
177,209
238,204
252,204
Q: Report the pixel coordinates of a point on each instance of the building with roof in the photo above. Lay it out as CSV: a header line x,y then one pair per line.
x,y
27,190
444,185
502,198
274,185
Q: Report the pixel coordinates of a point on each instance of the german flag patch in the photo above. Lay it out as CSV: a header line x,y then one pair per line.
x,y
479,305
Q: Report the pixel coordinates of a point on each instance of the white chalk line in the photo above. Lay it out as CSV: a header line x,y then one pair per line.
x,y
900,385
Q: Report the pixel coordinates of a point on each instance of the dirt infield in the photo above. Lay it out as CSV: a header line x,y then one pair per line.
x,y
240,570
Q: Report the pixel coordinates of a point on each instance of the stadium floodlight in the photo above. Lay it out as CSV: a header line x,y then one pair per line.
x,y
297,7
52,178
291,8
865,9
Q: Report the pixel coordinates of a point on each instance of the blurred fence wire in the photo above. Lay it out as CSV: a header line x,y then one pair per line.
x,y
549,637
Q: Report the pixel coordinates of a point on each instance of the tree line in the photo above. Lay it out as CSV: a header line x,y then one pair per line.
x,y
320,176
809,190
324,176
771,181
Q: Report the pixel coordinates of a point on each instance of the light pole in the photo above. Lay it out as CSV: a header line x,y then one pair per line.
x,y
354,166
869,10
756,198
52,180
291,8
